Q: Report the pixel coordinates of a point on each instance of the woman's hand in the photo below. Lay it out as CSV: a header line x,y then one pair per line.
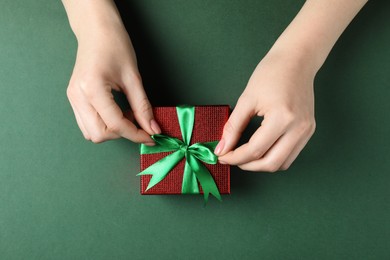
x,y
281,90
105,62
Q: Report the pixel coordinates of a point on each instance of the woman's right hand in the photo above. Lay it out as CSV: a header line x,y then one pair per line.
x,y
106,61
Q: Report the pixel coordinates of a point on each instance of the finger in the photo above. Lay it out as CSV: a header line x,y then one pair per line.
x,y
79,121
264,137
275,156
89,118
238,120
103,101
97,129
142,109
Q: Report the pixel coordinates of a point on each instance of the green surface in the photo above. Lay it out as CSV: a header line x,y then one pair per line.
x,y
62,197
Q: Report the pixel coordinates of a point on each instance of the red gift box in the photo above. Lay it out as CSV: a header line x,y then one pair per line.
x,y
208,126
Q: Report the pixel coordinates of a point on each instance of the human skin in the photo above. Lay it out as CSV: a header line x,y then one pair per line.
x,y
106,61
280,89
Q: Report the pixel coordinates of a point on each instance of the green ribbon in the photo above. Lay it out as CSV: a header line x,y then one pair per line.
x,y
194,170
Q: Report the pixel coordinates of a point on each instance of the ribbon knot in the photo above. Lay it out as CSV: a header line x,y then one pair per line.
x,y
184,147
194,170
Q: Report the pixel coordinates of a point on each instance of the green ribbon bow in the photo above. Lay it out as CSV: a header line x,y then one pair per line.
x,y
194,170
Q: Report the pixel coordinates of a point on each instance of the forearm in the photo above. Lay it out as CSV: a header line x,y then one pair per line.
x,y
92,16
316,28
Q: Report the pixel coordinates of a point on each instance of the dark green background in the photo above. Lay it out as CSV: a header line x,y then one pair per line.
x,y
62,197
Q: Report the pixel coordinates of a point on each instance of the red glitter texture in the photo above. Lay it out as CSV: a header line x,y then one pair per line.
x,y
208,126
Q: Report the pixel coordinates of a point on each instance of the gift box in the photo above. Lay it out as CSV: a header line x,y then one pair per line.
x,y
182,161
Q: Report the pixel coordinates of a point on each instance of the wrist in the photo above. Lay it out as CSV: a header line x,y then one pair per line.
x,y
89,18
310,37
298,59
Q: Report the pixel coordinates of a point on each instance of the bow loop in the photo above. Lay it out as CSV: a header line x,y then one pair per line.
x,y
204,152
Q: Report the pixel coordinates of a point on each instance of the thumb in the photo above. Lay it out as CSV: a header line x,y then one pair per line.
x,y
142,109
236,124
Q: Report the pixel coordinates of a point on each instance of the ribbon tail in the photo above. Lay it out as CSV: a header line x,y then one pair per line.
x,y
161,168
190,184
205,179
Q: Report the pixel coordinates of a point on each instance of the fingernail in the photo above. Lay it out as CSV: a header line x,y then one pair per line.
x,y
150,144
222,162
219,147
155,127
